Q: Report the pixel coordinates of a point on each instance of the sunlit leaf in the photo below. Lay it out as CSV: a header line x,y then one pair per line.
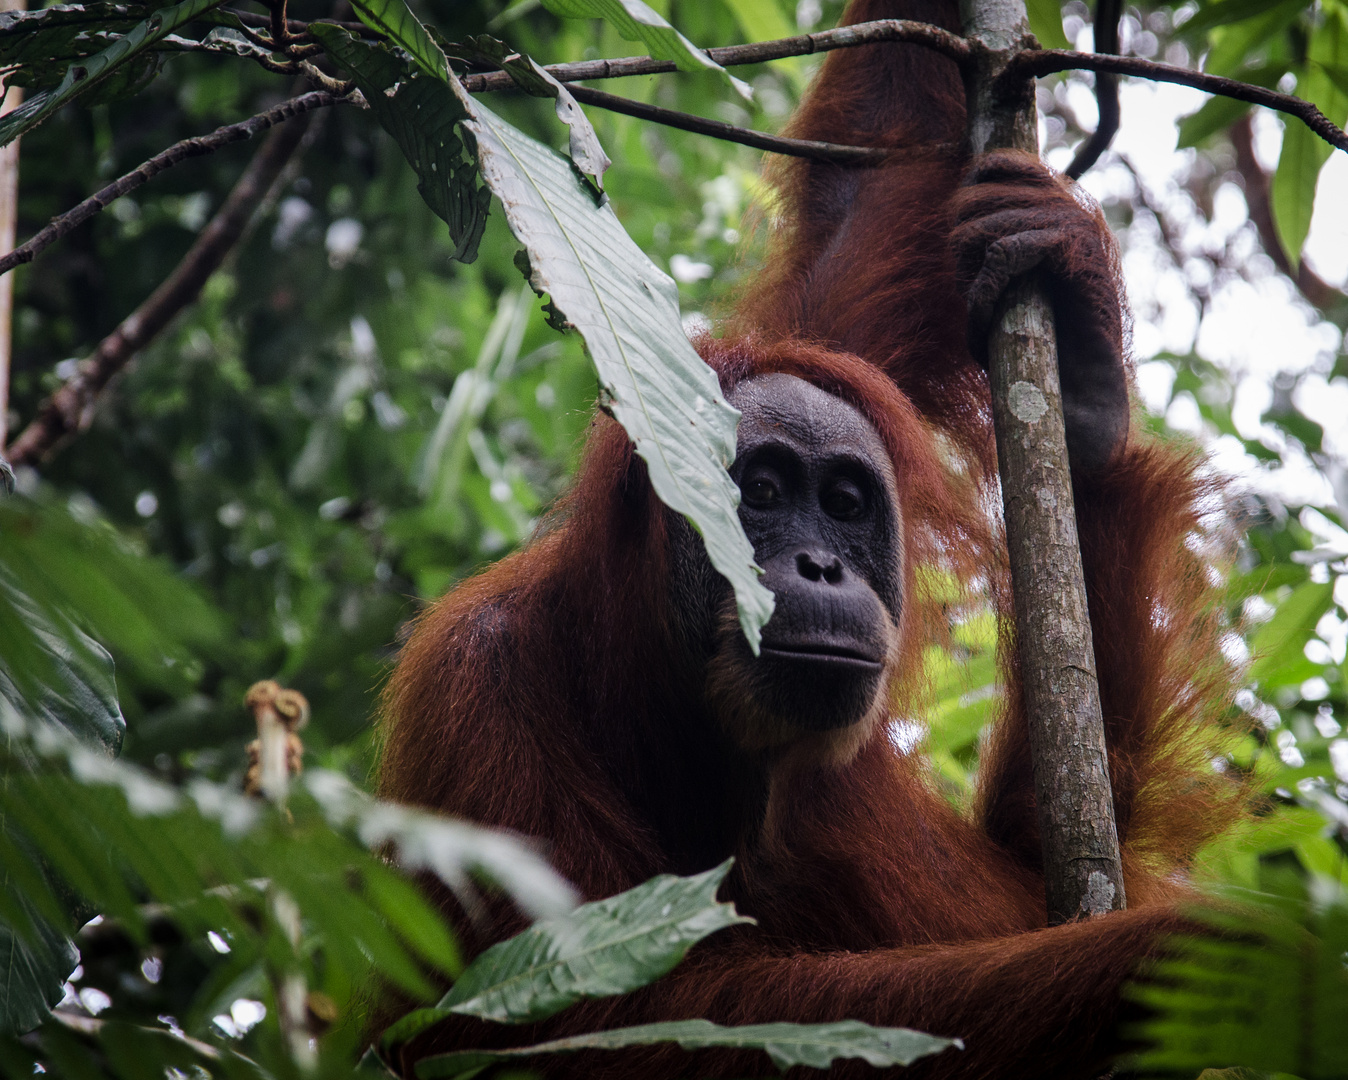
x,y
636,21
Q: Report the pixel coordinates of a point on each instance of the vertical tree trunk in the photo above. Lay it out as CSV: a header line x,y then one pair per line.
x,y
9,215
1082,870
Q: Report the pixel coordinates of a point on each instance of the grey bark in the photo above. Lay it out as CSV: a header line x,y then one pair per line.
x,y
1082,871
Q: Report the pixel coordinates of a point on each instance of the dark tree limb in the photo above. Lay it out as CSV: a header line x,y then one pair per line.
x,y
1074,799
70,408
869,33
174,155
1107,14
718,129
1035,63
1313,287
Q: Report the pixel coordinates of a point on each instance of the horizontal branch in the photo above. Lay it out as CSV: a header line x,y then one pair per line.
x,y
166,159
70,408
718,129
1037,63
844,37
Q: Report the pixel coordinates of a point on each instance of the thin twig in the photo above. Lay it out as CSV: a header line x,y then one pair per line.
x,y
868,33
1107,14
1037,63
297,27
70,408
718,129
175,154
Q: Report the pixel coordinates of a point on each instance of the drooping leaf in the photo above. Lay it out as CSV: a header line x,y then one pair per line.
x,y
602,948
586,151
627,311
1234,43
64,31
1303,153
815,1045
422,115
636,21
85,74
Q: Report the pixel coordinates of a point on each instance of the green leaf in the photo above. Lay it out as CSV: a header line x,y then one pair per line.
x,y
1233,44
532,78
1280,640
636,21
1046,23
1268,994
34,967
76,687
815,1045
422,115
1293,191
603,948
1219,113
62,33
393,19
627,311
1227,12
85,74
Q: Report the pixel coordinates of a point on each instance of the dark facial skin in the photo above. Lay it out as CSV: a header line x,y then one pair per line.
x,y
819,507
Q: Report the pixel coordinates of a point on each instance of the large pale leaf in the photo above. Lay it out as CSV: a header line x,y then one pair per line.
x,y
422,115
602,948
815,1045
85,74
627,310
637,21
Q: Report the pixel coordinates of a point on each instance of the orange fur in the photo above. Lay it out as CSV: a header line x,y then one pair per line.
x,y
547,695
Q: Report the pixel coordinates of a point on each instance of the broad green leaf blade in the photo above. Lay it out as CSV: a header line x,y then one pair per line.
x,y
1046,23
636,21
1303,153
393,19
603,948
627,310
75,685
87,73
34,969
421,115
815,1045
